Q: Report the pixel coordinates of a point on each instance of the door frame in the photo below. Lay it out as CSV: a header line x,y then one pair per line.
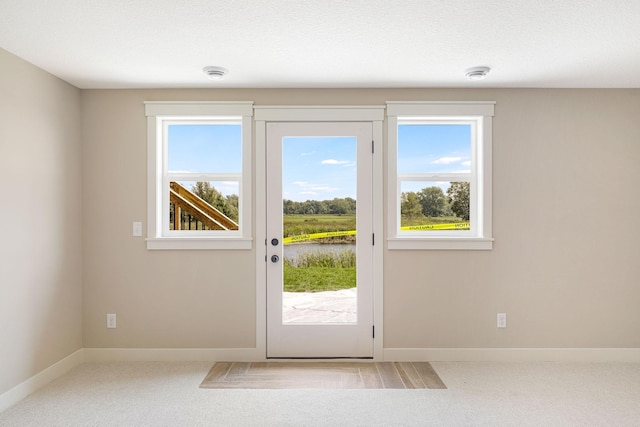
x,y
266,114
320,339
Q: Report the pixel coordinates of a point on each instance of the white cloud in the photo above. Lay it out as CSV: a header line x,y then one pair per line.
x,y
308,193
446,160
308,154
312,189
467,163
324,188
335,162
462,171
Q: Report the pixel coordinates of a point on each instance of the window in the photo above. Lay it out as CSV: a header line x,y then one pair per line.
x,y
199,175
439,175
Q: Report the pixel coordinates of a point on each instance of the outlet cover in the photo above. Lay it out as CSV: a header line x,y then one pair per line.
x,y
502,320
111,321
137,229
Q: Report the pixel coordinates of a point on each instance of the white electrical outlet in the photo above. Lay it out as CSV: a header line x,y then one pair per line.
x,y
137,229
502,320
111,321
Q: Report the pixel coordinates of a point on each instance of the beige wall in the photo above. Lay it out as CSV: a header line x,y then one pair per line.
x,y
40,221
564,266
194,299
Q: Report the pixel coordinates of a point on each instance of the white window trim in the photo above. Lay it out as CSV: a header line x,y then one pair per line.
x,y
159,112
481,201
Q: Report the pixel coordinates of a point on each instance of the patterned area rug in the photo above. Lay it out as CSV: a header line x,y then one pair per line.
x,y
332,375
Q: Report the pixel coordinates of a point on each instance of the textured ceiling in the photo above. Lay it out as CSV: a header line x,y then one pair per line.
x,y
328,43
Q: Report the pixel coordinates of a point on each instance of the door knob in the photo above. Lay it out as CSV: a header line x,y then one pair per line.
x,y
274,258
274,242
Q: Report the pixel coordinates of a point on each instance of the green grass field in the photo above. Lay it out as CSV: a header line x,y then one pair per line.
x,y
307,224
318,279
329,270
321,270
424,220
294,225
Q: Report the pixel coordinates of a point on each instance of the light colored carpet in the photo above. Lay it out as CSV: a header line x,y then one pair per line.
x,y
478,394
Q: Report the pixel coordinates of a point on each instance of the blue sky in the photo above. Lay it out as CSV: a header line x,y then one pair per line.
x,y
320,168
206,148
324,168
433,149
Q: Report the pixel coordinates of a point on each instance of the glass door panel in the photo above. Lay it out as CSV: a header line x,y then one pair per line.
x,y
319,229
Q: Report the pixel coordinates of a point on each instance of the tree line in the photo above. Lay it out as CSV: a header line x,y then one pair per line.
x,y
428,202
432,202
337,206
229,205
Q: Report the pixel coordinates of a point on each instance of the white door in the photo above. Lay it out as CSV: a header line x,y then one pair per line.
x,y
319,240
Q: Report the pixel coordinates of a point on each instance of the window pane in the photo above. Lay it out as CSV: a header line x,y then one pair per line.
x,y
434,148
214,148
428,205
203,205
319,230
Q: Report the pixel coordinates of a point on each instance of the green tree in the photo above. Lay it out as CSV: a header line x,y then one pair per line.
x,y
288,206
433,201
209,194
206,192
351,203
339,206
232,207
308,208
458,194
321,207
410,205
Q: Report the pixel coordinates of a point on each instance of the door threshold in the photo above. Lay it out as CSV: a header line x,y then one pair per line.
x,y
320,358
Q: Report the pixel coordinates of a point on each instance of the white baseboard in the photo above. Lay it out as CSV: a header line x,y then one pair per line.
x,y
42,378
172,355
390,354
512,354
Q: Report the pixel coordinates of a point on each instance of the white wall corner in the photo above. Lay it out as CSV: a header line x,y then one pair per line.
x,y
39,380
24,389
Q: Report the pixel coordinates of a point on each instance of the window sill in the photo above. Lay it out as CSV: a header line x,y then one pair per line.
x,y
450,243
199,243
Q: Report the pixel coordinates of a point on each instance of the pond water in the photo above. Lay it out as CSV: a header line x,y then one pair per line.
x,y
292,251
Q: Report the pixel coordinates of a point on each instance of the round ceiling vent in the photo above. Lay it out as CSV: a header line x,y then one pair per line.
x,y
215,73
477,73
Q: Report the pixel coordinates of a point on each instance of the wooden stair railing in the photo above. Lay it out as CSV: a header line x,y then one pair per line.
x,y
185,200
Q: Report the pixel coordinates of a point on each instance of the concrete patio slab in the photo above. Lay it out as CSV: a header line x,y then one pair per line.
x,y
320,307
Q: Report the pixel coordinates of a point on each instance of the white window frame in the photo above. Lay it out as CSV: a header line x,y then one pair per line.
x,y
159,116
479,116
